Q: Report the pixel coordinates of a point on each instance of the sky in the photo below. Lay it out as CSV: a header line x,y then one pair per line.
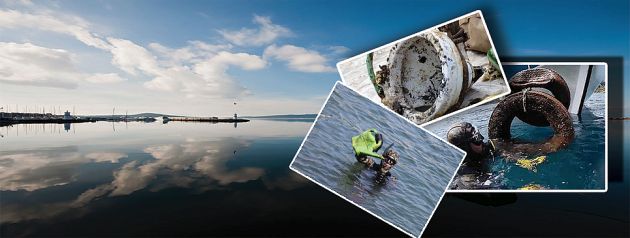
x,y
270,57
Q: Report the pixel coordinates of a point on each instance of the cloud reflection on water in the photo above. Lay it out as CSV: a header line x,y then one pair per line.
x,y
195,164
55,178
38,169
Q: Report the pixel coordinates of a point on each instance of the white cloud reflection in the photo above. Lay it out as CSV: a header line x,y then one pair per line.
x,y
34,170
196,164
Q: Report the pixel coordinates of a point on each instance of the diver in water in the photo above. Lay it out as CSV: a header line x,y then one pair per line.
x,y
473,172
366,145
390,158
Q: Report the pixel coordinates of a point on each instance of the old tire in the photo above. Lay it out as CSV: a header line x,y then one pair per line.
x,y
540,78
537,103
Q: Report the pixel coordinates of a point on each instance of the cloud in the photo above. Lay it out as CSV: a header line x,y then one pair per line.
x,y
195,51
197,70
35,65
266,33
216,66
68,25
299,59
132,58
105,78
18,2
174,56
338,49
29,64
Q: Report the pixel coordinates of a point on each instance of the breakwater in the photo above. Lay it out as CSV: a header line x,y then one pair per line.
x,y
204,119
9,118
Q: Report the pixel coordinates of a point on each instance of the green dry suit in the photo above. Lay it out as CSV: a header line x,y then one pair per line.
x,y
366,144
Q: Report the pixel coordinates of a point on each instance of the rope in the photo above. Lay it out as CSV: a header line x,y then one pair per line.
x,y
525,99
493,148
370,69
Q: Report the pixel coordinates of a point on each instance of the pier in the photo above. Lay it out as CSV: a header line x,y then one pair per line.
x,y
9,118
205,119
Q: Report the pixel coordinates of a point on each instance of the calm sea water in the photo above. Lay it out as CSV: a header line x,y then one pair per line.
x,y
154,179
424,170
579,166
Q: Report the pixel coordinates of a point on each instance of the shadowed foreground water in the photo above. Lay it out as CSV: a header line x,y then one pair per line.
x,y
425,167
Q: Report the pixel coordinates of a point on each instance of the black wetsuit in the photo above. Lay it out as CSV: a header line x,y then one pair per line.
x,y
473,172
381,177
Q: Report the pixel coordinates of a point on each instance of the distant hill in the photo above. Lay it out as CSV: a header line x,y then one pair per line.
x,y
288,116
144,114
151,114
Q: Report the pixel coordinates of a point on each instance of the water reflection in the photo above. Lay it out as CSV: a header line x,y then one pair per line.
x,y
31,170
61,178
202,162
12,130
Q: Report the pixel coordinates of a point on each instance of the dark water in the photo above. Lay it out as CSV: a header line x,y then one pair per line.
x,y
175,179
579,166
423,171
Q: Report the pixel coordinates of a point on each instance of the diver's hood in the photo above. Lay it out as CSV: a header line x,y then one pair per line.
x,y
391,157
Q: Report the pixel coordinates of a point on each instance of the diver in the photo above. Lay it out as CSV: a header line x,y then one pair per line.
x,y
390,158
473,172
366,145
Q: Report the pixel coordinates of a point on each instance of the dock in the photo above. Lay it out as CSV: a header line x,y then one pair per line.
x,y
205,119
10,118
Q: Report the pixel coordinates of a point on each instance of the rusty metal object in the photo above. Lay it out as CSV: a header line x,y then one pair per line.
x,y
540,78
537,103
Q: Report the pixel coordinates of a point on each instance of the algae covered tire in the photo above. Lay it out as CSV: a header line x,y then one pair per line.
x,y
540,78
537,103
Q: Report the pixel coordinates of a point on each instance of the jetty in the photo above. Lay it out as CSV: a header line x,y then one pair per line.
x,y
205,119
10,118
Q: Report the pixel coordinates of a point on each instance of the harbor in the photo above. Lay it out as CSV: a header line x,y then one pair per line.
x,y
11,118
